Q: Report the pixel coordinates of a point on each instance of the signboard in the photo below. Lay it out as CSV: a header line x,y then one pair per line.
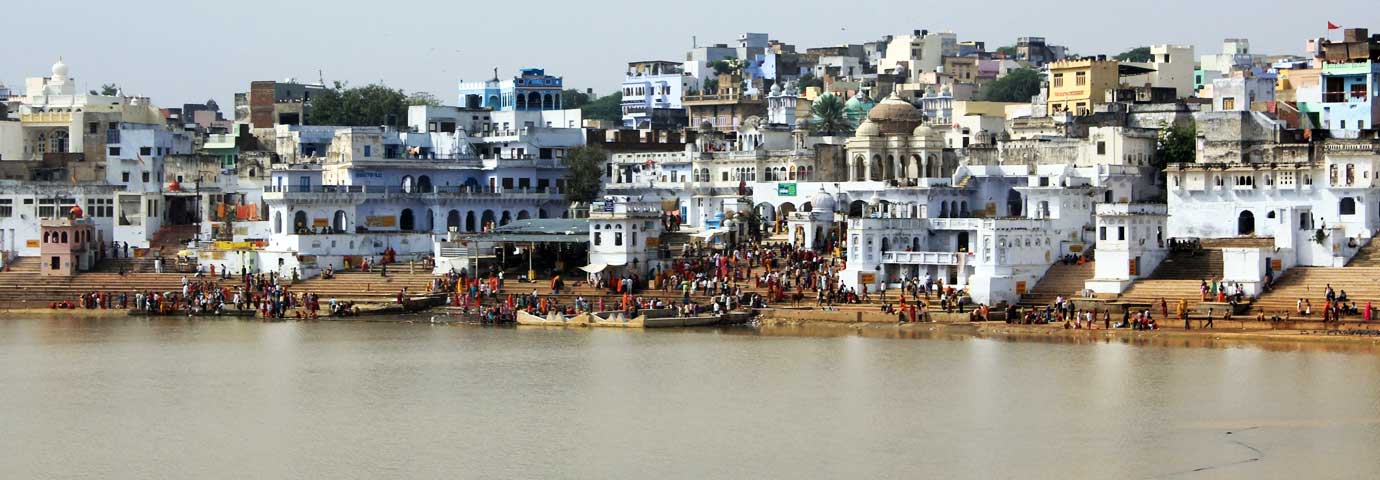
x,y
381,221
1075,248
653,242
320,222
785,189
224,245
1276,264
368,174
1020,287
31,243
867,278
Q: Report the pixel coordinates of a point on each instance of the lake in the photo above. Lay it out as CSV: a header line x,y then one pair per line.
x,y
137,398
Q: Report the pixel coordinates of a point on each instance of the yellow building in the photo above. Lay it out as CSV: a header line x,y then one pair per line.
x,y
1077,85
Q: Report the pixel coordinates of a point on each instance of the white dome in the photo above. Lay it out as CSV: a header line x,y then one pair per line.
x,y
59,69
823,202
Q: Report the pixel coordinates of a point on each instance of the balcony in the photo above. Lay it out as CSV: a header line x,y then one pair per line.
x,y
1354,96
924,258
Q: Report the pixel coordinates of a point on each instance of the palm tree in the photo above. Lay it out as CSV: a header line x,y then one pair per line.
x,y
829,118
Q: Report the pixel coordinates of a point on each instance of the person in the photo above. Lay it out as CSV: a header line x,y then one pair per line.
x,y
1107,319
1366,314
1209,318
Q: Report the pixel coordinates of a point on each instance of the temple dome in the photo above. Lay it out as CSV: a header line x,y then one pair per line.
x,y
895,116
868,129
823,202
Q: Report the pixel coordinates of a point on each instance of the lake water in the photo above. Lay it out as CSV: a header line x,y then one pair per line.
x,y
226,399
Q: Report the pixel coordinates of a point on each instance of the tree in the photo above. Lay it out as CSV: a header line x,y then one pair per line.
x,y
1017,86
809,80
711,86
584,175
607,107
828,115
1138,54
370,105
727,66
1009,51
572,98
1177,145
108,90
423,98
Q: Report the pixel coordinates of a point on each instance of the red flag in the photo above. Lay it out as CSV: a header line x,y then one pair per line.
x,y
1332,26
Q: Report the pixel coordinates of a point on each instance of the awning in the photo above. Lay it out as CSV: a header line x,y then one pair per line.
x,y
594,267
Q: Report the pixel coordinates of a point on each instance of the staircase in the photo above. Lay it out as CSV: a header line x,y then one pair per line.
x,y
1361,284
1366,256
1060,280
369,287
1179,276
21,285
675,242
172,238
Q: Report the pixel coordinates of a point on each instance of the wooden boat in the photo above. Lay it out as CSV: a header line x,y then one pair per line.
x,y
553,319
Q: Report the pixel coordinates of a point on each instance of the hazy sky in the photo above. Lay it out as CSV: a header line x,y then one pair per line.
x,y
180,51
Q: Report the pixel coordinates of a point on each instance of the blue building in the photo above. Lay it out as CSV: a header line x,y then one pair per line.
x,y
531,90
1347,103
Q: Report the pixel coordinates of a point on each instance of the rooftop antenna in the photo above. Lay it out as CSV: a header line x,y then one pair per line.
x,y
495,74
694,41
321,77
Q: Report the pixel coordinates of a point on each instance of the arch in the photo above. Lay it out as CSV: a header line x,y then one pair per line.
x,y
914,167
469,221
472,184
856,208
521,102
875,169
914,244
424,184
1014,202
429,223
935,169
506,218
406,221
807,207
962,242
408,184
886,244
493,102
542,213
277,222
523,215
453,220
486,221
299,221
944,209
1347,206
786,209
1245,223
889,169
859,168
546,102
339,222
765,211
963,209
533,100
64,236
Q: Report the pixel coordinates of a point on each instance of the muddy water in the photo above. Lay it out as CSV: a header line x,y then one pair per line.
x,y
179,399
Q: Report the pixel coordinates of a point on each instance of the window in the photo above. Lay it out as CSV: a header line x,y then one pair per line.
x,y
1101,148
100,207
114,151
124,177
598,238
146,151
1228,103
92,127
146,177
6,207
617,239
1058,80
1102,233
725,175
1080,79
368,150
54,207
1120,233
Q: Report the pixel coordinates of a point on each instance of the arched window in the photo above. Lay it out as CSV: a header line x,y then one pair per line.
x,y
534,100
277,222
1347,206
299,221
406,222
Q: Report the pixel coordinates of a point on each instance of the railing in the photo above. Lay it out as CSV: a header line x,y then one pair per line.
x,y
446,189
923,258
1352,96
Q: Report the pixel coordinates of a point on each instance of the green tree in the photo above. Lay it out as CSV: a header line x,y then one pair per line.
x,y
607,107
828,117
584,175
711,86
1138,54
1009,51
727,66
1176,145
809,80
572,98
370,105
108,90
423,98
1017,86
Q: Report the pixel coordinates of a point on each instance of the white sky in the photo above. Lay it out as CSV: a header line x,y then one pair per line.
x,y
191,50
